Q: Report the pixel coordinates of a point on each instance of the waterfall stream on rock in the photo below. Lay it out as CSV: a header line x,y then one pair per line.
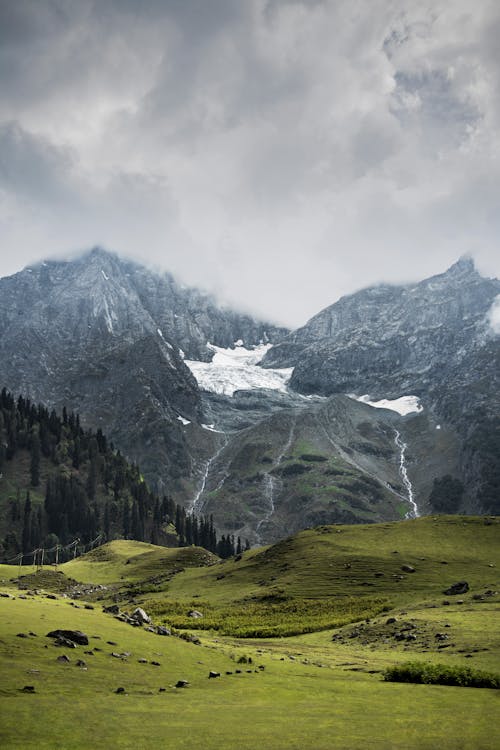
x,y
402,446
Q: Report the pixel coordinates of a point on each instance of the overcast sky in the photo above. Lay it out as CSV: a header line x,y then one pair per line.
x,y
278,152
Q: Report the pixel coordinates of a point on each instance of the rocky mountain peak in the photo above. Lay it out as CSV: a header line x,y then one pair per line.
x,y
464,266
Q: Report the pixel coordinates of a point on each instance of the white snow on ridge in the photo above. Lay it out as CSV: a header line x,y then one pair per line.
x,y
403,405
494,315
237,369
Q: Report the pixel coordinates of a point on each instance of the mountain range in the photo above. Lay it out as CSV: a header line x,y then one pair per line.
x,y
270,430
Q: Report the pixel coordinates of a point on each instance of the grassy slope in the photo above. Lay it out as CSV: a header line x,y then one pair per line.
x,y
331,708
133,561
343,561
341,704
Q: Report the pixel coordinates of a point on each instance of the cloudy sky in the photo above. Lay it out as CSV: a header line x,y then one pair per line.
x,y
278,152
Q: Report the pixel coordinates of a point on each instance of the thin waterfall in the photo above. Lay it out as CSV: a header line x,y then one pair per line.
x,y
402,446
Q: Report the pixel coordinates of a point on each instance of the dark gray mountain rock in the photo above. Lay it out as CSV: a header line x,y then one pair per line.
x,y
386,339
432,340
106,337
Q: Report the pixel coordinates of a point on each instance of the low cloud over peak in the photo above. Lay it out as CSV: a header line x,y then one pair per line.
x,y
280,153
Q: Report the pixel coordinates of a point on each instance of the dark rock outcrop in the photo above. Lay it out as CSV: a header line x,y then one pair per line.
x,y
75,636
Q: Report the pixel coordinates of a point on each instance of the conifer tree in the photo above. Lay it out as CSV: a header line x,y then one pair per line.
x,y
35,460
26,539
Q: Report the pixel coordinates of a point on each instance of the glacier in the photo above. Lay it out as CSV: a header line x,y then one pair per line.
x,y
403,405
237,369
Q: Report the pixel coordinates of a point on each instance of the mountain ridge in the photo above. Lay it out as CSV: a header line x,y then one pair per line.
x,y
134,353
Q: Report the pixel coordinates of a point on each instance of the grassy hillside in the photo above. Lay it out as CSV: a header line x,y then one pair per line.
x,y
329,680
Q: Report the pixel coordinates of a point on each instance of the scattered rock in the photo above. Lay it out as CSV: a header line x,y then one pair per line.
x,y
51,596
391,620
162,690
162,630
142,661
408,568
21,635
28,689
89,606
112,643
195,614
141,616
113,609
156,664
81,663
76,636
120,690
116,656
461,587
212,675
181,683
63,659
65,642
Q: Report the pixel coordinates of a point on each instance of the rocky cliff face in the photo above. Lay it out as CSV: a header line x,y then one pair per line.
x,y
115,341
386,339
107,337
431,339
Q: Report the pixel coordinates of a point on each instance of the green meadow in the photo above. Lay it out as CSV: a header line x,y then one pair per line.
x,y
302,634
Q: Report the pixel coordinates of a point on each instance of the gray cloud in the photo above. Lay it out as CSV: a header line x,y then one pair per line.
x,y
280,153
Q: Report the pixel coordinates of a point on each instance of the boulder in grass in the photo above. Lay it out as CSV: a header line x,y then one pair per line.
x,y
75,636
195,614
181,683
113,609
461,587
162,630
65,642
139,615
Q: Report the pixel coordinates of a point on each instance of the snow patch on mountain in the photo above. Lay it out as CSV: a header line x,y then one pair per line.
x,y
237,369
403,405
494,315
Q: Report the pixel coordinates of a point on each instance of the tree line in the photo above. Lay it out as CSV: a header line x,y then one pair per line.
x,y
81,486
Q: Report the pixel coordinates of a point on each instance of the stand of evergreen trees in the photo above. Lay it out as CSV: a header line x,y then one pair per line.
x,y
88,488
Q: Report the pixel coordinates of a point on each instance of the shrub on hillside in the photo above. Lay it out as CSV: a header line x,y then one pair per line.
x,y
441,674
